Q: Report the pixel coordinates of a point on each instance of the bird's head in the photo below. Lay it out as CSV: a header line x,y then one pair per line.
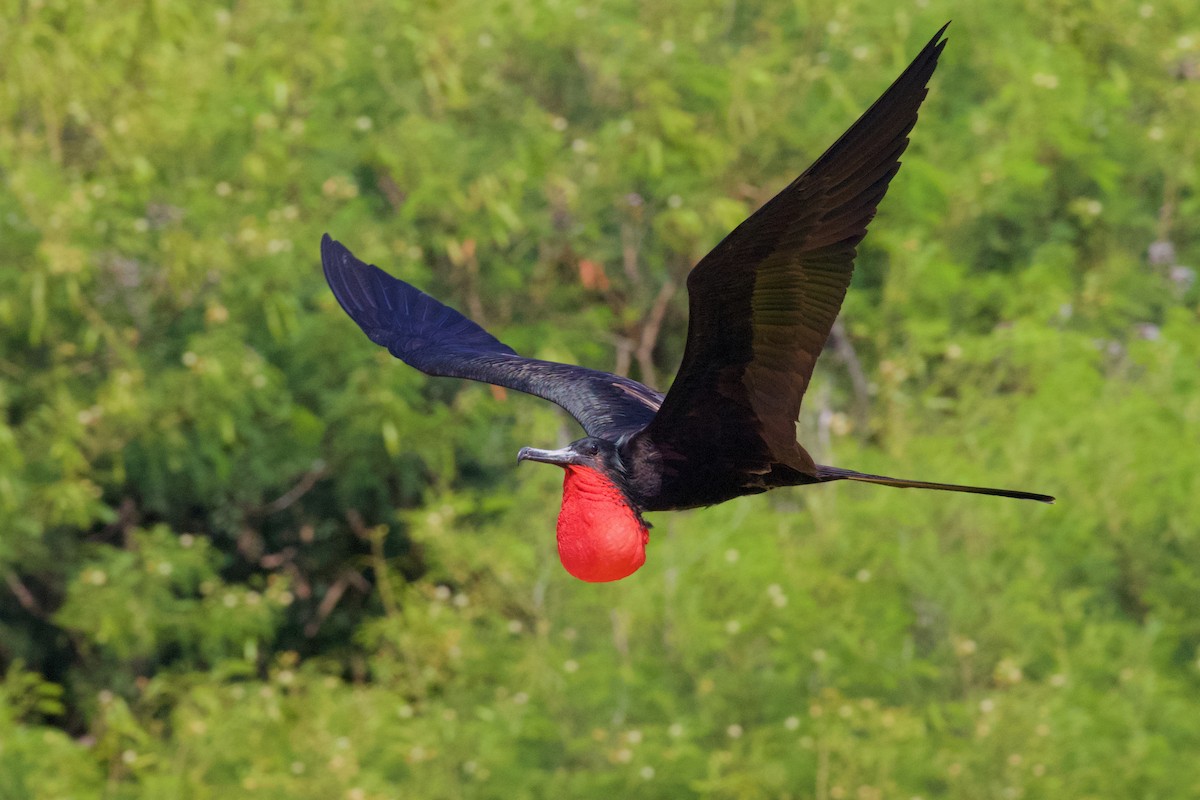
x,y
601,535
590,452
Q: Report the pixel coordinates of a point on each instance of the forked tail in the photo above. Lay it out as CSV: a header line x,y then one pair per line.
x,y
838,474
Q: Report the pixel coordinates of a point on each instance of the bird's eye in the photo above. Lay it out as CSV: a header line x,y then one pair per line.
x,y
592,448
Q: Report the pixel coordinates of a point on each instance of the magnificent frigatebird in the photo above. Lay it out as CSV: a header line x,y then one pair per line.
x,y
761,306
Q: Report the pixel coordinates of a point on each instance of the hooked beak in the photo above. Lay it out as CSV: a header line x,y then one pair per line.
x,y
561,457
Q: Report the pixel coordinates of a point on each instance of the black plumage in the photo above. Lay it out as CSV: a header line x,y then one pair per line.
x,y
761,306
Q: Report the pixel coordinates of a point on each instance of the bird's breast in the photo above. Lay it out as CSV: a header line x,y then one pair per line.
x,y
600,537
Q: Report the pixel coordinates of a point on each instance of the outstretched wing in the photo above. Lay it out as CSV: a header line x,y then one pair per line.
x,y
762,303
438,340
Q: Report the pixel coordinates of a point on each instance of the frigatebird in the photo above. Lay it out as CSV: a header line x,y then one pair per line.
x,y
761,305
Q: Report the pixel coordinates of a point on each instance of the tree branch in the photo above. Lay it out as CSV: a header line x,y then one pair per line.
x,y
23,595
858,378
307,481
651,326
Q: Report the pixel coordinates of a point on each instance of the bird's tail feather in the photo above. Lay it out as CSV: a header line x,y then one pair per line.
x,y
838,474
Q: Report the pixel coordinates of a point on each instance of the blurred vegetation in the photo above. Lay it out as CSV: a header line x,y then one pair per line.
x,y
244,553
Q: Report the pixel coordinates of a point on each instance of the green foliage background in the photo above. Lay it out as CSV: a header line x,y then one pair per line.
x,y
246,554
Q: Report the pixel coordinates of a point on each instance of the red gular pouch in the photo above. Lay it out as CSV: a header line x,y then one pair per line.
x,y
600,536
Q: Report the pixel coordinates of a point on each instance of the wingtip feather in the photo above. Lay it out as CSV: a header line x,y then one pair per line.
x,y
349,279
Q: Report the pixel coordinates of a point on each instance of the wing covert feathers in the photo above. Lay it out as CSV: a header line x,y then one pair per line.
x,y
436,339
763,301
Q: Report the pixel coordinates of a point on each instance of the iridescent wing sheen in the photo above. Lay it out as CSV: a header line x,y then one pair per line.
x,y
437,340
762,303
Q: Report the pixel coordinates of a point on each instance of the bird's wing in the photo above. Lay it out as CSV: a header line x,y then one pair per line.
x,y
438,340
762,303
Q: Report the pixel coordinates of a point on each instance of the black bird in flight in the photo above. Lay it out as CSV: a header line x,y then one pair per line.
x,y
761,306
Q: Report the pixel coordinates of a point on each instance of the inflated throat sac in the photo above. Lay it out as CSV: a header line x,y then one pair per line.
x,y
600,537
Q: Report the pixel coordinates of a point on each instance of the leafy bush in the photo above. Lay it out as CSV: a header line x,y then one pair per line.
x,y
245,553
